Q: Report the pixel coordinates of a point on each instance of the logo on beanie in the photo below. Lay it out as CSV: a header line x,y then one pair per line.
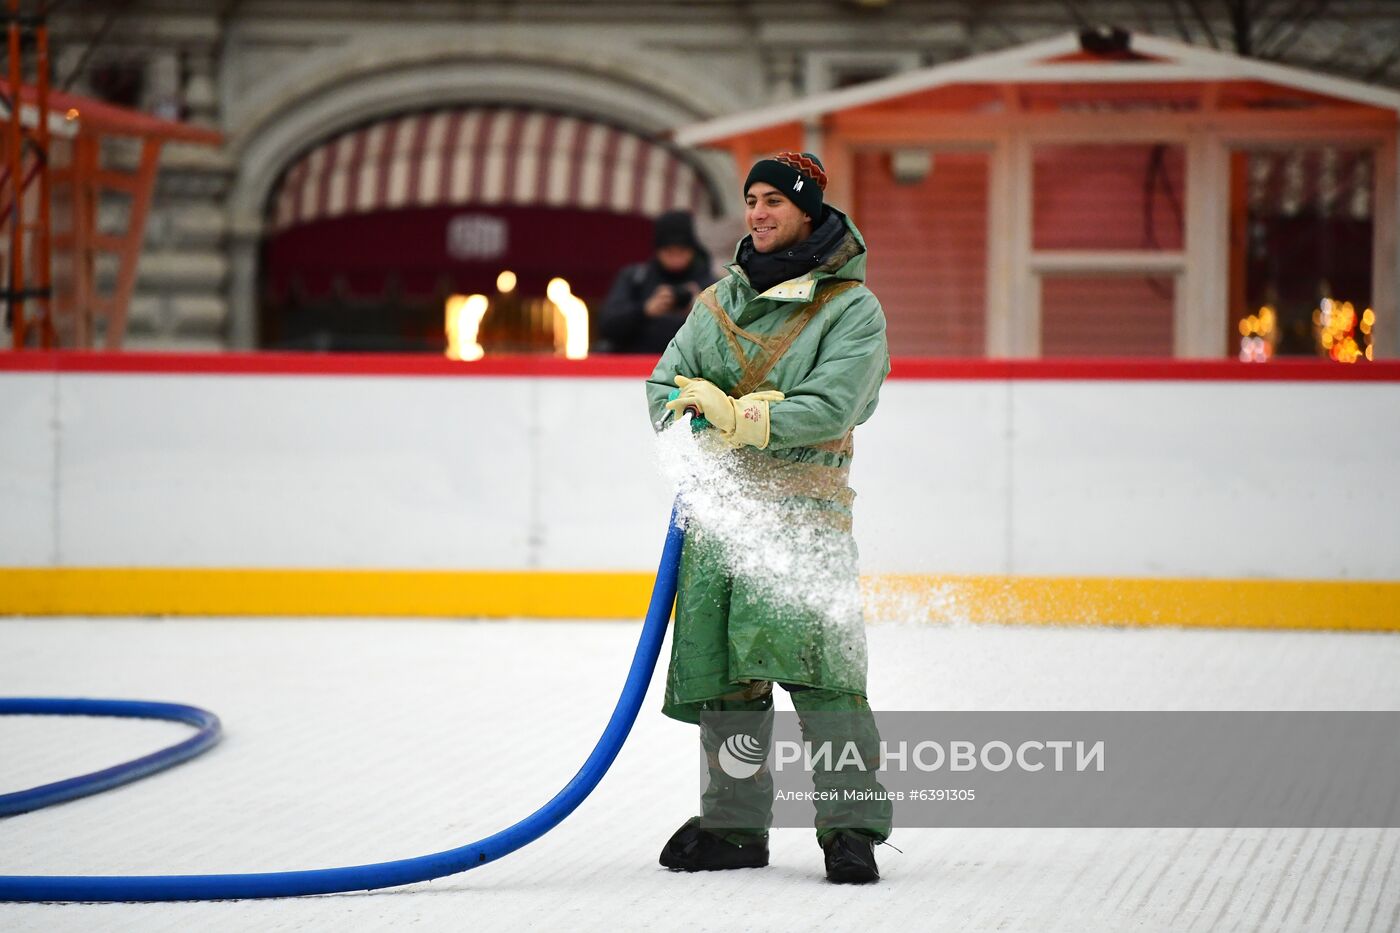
x,y
797,185
741,756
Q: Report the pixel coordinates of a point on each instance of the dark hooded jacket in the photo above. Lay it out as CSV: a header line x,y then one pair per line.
x,y
623,323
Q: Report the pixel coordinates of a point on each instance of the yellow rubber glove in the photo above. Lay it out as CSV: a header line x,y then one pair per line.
x,y
739,420
710,399
751,425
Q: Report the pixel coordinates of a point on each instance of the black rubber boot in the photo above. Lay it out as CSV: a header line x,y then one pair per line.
x,y
850,857
696,849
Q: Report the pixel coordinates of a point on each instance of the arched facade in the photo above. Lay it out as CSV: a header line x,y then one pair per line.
x,y
332,92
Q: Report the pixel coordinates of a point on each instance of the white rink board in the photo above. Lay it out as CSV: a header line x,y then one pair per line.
x,y
1216,479
290,472
1268,479
28,480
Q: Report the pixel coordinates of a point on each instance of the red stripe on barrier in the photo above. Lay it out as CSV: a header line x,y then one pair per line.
x,y
639,367
320,364
1147,370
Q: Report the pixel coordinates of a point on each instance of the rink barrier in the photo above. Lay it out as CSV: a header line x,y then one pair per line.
x,y
1017,600
640,366
283,484
410,870
46,795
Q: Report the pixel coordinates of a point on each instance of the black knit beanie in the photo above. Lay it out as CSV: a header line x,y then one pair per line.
x,y
675,228
798,176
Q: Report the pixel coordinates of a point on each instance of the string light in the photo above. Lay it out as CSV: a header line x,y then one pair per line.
x,y
1343,335
1259,335
575,315
464,314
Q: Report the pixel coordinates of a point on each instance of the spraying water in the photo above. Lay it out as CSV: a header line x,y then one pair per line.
x,y
779,546
789,550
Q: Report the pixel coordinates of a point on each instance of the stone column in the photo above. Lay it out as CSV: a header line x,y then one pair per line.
x,y
242,292
201,95
783,76
163,92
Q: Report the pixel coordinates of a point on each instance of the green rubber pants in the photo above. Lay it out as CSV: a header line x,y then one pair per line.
x,y
742,809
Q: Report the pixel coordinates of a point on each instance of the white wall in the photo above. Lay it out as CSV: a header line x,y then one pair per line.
x,y
1096,477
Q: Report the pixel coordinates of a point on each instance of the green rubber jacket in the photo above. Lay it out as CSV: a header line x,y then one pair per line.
x,y
731,632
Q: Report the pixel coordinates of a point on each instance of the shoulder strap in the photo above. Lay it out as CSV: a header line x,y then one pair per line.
x,y
726,323
757,369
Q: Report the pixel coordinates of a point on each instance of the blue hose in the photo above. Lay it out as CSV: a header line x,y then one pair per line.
x,y
49,794
402,871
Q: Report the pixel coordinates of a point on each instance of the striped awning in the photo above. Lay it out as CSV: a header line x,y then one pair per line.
x,y
486,156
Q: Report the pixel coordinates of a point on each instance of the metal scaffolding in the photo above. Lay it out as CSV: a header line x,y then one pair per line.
x,y
65,156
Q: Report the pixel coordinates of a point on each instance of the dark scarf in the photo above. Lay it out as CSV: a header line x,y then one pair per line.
x,y
768,269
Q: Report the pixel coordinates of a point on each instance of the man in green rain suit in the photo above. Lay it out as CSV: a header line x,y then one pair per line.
x,y
783,358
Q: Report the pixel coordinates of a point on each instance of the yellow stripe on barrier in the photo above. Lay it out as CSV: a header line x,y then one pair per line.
x,y
1275,604
220,592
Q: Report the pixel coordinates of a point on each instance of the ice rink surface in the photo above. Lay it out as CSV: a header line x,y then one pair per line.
x,y
360,741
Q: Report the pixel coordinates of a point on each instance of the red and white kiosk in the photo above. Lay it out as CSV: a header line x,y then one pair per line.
x,y
1111,195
